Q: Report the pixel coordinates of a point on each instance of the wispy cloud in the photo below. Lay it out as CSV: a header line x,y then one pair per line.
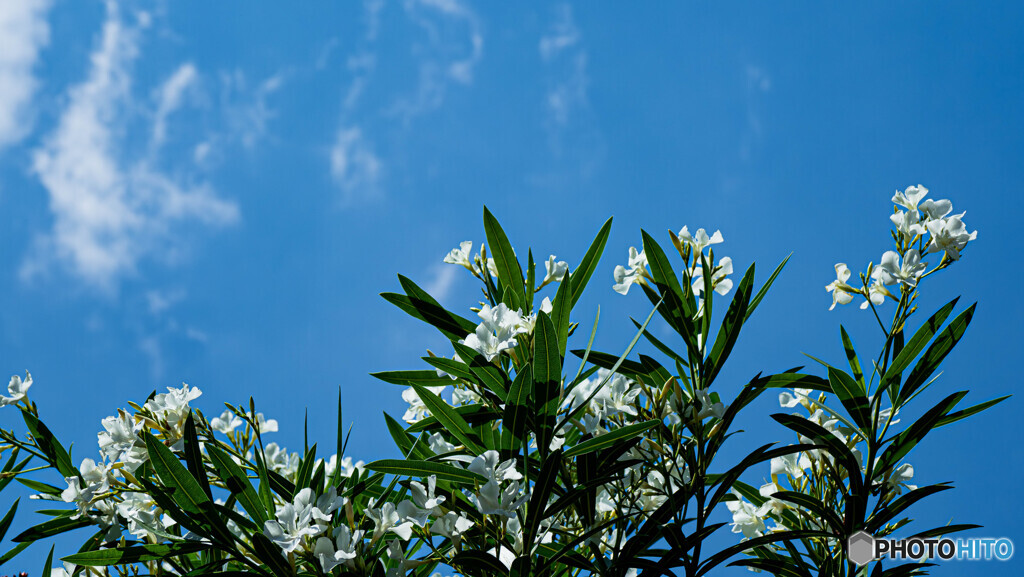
x,y
454,47
572,132
757,82
24,32
247,108
354,166
111,205
169,99
444,279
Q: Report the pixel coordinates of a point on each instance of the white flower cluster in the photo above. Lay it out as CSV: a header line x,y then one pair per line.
x,y
921,227
691,246
801,472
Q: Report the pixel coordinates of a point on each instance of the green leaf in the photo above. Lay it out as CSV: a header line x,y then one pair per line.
x,y
581,276
424,469
517,407
932,357
424,378
186,491
40,486
917,342
764,288
853,397
478,564
50,528
454,368
305,471
611,438
270,554
486,373
954,417
531,280
448,417
851,357
730,330
5,523
560,309
50,446
48,567
238,483
194,456
509,272
451,325
908,439
793,380
134,554
542,491
14,551
879,519
547,378
815,507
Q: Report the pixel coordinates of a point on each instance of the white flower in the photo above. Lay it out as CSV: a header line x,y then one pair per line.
x,y
890,270
172,408
95,480
386,518
266,425
294,521
280,460
745,518
461,255
439,445
876,294
908,223
719,283
772,505
799,396
424,496
555,270
699,241
793,465
17,388
950,236
342,549
417,410
120,443
451,525
841,294
64,571
935,209
910,198
708,408
898,481
347,467
139,509
624,278
227,422
529,322
497,332
487,464
493,500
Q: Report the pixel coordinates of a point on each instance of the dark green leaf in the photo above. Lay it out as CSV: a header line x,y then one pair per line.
x,y
853,397
932,357
730,330
194,456
509,272
448,417
134,554
424,469
50,446
5,523
238,483
581,276
50,528
611,438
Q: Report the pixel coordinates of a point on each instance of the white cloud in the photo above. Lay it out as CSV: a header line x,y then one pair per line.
x,y
249,111
354,166
563,34
169,99
455,46
24,32
445,276
111,206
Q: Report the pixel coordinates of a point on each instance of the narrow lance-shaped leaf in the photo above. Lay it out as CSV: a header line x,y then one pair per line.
x,y
611,438
588,264
509,272
424,469
448,417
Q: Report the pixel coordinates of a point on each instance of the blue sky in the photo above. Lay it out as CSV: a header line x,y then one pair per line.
x,y
215,195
